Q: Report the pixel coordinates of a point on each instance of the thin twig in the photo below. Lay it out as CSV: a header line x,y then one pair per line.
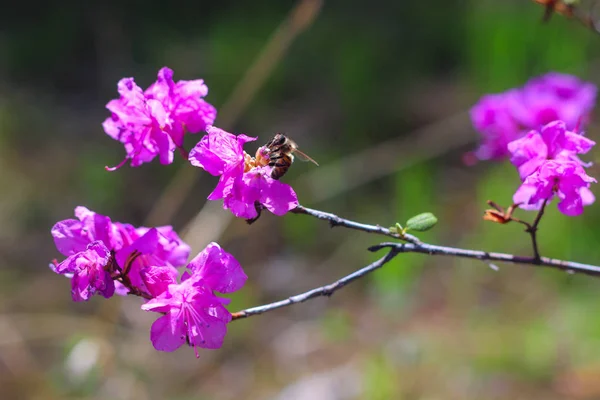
x,y
532,230
414,246
326,290
335,220
433,250
499,215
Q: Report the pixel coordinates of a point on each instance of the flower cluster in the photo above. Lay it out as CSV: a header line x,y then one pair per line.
x,y
192,313
153,122
504,117
537,127
245,182
549,166
105,257
97,249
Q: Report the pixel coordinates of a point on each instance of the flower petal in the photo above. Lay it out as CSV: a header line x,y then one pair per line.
x,y
243,195
218,151
158,279
167,333
218,269
278,197
68,237
210,335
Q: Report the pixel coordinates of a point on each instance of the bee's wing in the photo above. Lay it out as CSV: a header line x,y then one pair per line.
x,y
303,157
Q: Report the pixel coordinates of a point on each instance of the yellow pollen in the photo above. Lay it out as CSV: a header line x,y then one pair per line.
x,y
249,162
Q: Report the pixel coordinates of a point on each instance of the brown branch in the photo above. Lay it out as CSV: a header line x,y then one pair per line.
x,y
532,230
334,221
414,245
326,290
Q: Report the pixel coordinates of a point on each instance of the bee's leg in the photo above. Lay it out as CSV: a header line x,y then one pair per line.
x,y
259,207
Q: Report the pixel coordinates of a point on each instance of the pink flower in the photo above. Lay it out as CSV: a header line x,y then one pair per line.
x,y
184,100
553,142
143,252
129,247
220,154
192,312
153,123
504,117
492,118
73,235
89,272
257,187
244,185
565,179
158,279
170,248
552,97
218,269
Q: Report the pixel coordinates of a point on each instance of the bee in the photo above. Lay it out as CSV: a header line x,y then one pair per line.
x,y
586,11
281,151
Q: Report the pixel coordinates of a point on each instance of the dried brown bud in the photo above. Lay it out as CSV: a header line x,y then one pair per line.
x,y
496,216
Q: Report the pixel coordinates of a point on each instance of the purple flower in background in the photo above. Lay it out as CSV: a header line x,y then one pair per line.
x,y
244,185
552,97
553,142
492,118
565,179
129,248
153,123
192,312
504,117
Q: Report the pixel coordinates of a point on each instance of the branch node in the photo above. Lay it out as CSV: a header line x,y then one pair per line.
x,y
414,245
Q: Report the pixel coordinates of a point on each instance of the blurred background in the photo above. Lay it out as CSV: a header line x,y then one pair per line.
x,y
379,96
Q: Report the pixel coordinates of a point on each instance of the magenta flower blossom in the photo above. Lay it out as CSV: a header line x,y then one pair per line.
x,y
553,142
504,117
129,247
566,180
73,235
170,248
552,97
153,123
220,154
244,184
492,118
89,271
257,187
192,312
